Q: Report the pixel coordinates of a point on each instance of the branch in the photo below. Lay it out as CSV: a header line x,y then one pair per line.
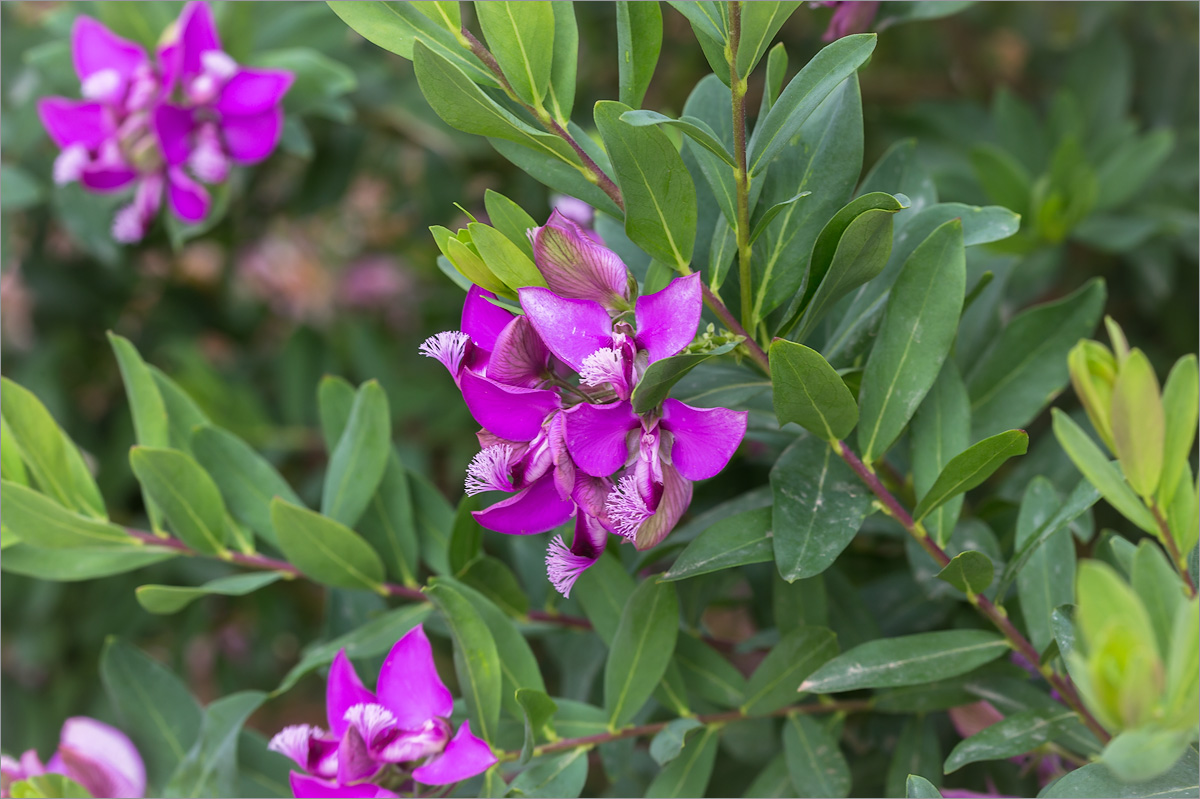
x,y
1173,549
725,315
996,615
740,174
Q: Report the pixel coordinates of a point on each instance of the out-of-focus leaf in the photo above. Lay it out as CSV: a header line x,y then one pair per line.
x,y
187,495
816,764
797,655
167,599
641,650
325,550
211,765
360,458
41,522
563,776
247,481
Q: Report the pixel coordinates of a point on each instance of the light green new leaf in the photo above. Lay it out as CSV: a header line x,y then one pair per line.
x,y
688,774
43,786
476,661
736,541
167,599
1100,472
760,22
914,339
40,522
970,572
520,36
187,495
809,392
357,463
510,219
941,428
325,550
815,763
1047,580
641,650
211,765
1144,753
1181,405
1095,779
12,468
798,654
639,40
971,467
505,259
560,97
1160,589
907,660
1138,425
660,198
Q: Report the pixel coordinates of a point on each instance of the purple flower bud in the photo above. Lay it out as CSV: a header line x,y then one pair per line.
x,y
577,267
850,16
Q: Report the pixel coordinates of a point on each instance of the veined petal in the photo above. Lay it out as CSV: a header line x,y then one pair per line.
x,y
102,759
572,329
464,757
251,138
354,760
417,744
577,267
705,438
590,495
534,510
483,321
74,122
306,787
676,496
189,200
95,48
343,690
519,357
597,436
409,684
252,91
510,412
197,35
173,126
313,749
667,320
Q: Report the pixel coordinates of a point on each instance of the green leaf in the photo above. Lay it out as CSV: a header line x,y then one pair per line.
x,y
183,414
641,650
188,497
505,259
1159,588
560,96
1123,174
914,339
41,522
804,93
466,536
819,505
1145,753
1015,735
809,392
325,550
1138,425
370,640
815,763
664,373
494,579
360,458
666,745
773,781
211,764
941,429
971,467
660,198
53,459
444,13
707,673
688,774
563,776
510,219
44,786
21,189
639,40
261,771
552,170
1095,779
917,752
517,35
12,468
476,661
539,710
1048,579
970,572
1100,472
1004,179
335,399
1027,364
918,787
145,403
797,655
899,170
397,26
695,129
907,660
603,591
247,481
1181,406
736,541
760,22
167,599
154,706
761,223
82,563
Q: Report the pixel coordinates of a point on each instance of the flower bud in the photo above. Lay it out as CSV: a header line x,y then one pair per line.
x,y
577,267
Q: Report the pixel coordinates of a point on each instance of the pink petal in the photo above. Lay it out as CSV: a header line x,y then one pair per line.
x,y
597,436
676,496
705,438
354,762
343,690
173,126
535,510
519,358
511,412
576,267
308,787
197,34
188,198
102,759
409,684
74,122
667,320
572,329
252,138
95,48
252,91
464,757
106,178
313,749
483,321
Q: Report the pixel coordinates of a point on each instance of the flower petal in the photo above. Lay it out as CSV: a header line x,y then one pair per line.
x,y
667,320
197,35
483,321
705,438
189,200
511,412
354,762
572,329
307,787
101,758
95,48
597,436
676,496
577,267
173,126
313,749
409,684
343,690
464,757
535,510
252,91
106,177
74,122
252,138
520,358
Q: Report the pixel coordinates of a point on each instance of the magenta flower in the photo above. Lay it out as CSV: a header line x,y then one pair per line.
x,y
577,265
850,16
99,757
395,736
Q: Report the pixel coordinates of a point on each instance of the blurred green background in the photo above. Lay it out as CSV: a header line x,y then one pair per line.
x,y
1081,116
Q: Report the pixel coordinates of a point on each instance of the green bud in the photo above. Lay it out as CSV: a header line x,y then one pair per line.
x,y
1093,372
1138,424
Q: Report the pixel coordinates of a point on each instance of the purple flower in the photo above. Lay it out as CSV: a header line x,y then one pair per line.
x,y
577,265
850,16
99,757
400,732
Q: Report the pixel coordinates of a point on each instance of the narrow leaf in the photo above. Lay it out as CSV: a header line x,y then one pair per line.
x,y
971,467
211,764
664,373
688,774
641,649
519,35
475,658
188,497
357,463
738,540
167,599
815,763
797,655
639,40
325,550
1100,472
40,522
907,660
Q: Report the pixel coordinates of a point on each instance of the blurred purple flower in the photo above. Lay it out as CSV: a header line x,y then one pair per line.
x,y
99,757
370,735
850,16
575,210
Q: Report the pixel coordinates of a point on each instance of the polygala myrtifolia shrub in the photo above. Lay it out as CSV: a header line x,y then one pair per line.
x,y
719,297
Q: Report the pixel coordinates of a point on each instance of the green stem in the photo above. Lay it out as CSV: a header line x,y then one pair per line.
x,y
1173,549
740,174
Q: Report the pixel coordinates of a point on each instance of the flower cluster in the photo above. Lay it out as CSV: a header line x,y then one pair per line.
x,y
163,125
100,758
393,737
577,448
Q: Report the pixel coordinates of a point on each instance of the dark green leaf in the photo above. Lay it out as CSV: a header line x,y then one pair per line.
x,y
809,392
641,650
738,540
357,463
1082,497
688,774
325,550
970,572
560,175
476,661
761,223
816,764
539,710
183,414
389,523
917,752
1015,735
773,782
706,17
666,745
466,536
639,40
907,660
520,36
188,497
709,674
797,655
899,171
211,764
563,777
21,189
495,580
167,599
603,591
664,373
971,467
695,129
918,787
261,771
247,481
1048,579
941,429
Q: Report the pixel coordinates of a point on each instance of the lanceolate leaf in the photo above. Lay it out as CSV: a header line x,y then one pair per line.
x,y
907,660
1048,579
188,497
971,467
807,391
688,774
1015,735
166,599
211,764
603,592
41,522
520,36
760,22
563,776
695,129
1095,779
1181,405
708,673
941,429
664,373
84,563
560,97
639,40
1082,497
476,661
641,650
1101,472
744,538
326,551
797,655
357,463
817,766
